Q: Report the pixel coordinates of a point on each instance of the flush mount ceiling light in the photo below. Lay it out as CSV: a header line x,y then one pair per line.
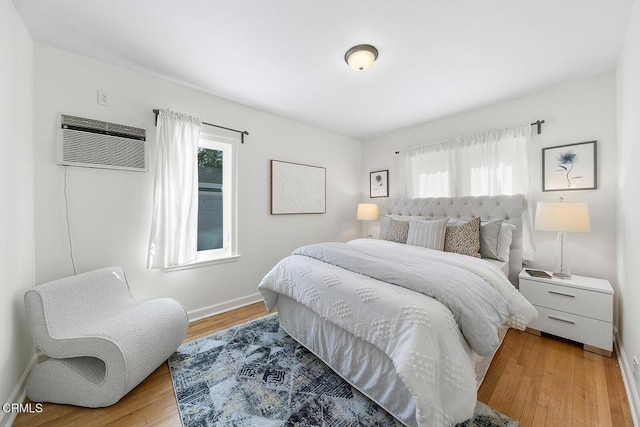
x,y
361,57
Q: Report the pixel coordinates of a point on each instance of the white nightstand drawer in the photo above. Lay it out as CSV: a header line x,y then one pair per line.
x,y
595,305
577,328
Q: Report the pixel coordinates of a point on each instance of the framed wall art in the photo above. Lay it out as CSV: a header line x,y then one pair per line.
x,y
569,167
379,184
297,188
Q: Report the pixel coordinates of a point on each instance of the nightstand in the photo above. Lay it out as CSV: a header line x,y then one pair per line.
x,y
579,309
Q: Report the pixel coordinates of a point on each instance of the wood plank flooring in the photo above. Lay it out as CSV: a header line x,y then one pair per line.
x,y
547,381
540,381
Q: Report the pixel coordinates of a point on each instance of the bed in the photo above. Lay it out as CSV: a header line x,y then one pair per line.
x,y
412,327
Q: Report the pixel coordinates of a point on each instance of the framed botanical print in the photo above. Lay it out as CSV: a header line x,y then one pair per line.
x,y
379,184
569,167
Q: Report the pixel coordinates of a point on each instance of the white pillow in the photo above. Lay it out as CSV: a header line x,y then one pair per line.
x,y
489,236
457,221
504,241
427,233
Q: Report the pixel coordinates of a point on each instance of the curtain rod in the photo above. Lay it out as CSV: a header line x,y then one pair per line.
x,y
241,132
538,123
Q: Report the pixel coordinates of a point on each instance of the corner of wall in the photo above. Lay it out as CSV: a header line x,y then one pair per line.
x,y
628,132
18,395
17,223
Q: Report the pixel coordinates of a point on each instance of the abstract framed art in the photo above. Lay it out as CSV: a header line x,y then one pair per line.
x,y
379,184
569,167
297,188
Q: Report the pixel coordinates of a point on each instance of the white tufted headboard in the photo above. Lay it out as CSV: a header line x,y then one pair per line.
x,y
509,208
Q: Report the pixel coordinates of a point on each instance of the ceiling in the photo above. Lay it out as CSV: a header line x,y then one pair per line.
x,y
437,57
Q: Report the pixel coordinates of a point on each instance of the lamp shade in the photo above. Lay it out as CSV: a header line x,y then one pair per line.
x,y
361,57
562,216
367,211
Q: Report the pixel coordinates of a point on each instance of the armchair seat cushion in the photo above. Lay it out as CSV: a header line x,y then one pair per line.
x,y
101,342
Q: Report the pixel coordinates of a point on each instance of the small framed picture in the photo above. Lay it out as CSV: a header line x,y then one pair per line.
x,y
379,184
569,167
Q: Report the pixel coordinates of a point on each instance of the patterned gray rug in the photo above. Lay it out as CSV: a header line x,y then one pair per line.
x,y
255,374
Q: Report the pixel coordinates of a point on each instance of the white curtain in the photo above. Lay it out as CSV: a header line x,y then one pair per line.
x,y
174,225
487,163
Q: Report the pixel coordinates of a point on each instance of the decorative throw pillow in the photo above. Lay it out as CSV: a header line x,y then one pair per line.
x,y
397,231
489,232
427,233
384,223
504,241
464,238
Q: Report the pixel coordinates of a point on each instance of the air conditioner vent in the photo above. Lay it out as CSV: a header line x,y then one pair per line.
x,y
93,143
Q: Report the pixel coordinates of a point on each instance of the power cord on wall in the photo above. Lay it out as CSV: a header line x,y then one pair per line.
x,y
66,205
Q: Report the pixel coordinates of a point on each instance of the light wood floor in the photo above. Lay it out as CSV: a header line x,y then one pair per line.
x,y
540,381
546,381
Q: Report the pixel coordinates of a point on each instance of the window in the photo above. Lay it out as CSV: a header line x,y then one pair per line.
x,y
182,235
492,162
216,197
486,163
210,200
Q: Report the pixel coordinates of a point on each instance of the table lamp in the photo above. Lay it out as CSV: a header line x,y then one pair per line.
x,y
563,217
367,212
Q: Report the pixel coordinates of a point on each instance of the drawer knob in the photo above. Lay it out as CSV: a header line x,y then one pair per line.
x,y
561,319
562,293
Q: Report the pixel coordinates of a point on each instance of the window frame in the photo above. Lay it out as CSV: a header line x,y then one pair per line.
x,y
211,139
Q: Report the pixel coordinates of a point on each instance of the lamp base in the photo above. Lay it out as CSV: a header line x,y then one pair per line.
x,y
561,263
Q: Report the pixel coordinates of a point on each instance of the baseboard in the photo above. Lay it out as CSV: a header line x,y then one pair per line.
x,y
222,307
18,395
627,379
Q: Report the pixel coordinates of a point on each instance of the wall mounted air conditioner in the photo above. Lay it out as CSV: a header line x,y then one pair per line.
x,y
95,144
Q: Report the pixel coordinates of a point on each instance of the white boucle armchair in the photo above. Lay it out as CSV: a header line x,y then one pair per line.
x,y
100,341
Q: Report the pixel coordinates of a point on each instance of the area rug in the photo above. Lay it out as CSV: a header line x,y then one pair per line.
x,y
255,374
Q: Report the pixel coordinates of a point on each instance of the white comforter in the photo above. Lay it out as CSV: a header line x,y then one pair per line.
x,y
418,333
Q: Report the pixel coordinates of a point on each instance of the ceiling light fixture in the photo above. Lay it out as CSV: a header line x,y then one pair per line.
x,y
361,57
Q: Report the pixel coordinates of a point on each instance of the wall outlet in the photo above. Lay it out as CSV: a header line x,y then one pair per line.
x,y
104,97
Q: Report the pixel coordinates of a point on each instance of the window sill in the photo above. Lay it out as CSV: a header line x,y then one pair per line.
x,y
204,263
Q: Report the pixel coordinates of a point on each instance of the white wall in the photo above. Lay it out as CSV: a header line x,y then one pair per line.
x,y
16,195
110,210
628,75
579,111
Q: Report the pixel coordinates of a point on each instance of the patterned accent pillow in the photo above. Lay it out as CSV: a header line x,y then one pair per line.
x,y
464,238
427,233
397,231
384,223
